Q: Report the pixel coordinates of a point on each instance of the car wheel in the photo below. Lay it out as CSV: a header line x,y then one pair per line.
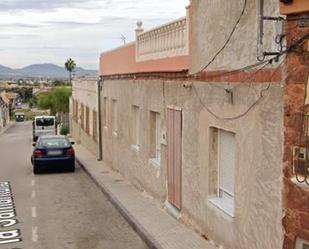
x,y
71,168
36,169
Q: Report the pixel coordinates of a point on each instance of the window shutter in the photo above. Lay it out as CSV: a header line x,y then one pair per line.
x,y
227,161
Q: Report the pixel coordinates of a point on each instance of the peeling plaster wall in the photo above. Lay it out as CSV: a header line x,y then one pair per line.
x,y
259,140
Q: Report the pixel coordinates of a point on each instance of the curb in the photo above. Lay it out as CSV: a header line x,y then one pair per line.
x,y
133,222
10,124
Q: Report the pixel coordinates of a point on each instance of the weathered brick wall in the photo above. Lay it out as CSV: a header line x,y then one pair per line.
x,y
295,197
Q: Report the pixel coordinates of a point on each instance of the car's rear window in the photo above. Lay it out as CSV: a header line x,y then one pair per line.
x,y
54,142
44,121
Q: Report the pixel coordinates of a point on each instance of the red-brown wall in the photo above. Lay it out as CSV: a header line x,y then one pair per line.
x,y
295,198
122,61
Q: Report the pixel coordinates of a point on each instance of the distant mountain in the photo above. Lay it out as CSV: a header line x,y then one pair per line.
x,y
45,70
6,70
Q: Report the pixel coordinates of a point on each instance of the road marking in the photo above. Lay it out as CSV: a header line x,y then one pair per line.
x,y
34,234
33,194
8,215
33,212
32,182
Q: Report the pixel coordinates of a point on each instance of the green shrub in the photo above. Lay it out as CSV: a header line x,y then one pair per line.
x,y
64,130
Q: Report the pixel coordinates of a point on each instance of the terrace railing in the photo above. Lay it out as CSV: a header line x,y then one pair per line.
x,y
169,40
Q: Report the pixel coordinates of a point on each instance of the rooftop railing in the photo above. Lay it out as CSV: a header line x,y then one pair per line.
x,y
169,40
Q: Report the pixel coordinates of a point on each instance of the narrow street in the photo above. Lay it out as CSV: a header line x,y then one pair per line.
x,y
57,210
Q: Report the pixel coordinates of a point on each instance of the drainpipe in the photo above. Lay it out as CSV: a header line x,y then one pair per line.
x,y
99,118
260,31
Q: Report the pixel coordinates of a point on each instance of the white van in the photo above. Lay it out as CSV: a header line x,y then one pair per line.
x,y
44,125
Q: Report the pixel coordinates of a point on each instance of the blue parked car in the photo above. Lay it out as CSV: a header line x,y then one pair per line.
x,y
53,152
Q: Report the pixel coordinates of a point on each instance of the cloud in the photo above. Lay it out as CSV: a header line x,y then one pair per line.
x,y
19,25
35,31
11,5
4,37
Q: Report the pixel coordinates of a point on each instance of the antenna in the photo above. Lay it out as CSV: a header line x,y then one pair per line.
x,y
123,38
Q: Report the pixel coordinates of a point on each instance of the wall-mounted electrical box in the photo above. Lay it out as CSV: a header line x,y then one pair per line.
x,y
293,7
163,137
299,161
301,244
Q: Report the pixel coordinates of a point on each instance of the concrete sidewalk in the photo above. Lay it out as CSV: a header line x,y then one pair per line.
x,y
8,126
158,229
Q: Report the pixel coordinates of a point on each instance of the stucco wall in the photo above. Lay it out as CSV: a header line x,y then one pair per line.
x,y
211,24
122,61
259,140
81,137
84,92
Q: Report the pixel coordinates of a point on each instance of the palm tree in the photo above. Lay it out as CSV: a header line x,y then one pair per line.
x,y
70,66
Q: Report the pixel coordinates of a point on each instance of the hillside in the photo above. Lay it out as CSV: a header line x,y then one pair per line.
x,y
45,70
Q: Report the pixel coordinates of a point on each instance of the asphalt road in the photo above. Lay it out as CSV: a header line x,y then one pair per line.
x,y
54,210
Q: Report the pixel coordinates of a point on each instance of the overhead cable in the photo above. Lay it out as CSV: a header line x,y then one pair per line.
x,y
227,41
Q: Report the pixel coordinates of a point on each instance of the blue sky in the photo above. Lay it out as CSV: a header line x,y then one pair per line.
x,y
50,31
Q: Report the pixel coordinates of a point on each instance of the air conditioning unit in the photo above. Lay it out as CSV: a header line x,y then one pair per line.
x,y
301,244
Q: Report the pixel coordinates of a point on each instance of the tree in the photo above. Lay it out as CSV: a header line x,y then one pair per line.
x,y
57,101
59,83
70,66
33,101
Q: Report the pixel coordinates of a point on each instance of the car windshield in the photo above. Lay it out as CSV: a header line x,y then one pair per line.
x,y
44,121
54,142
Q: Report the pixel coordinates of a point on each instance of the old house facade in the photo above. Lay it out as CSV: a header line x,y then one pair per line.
x,y
83,112
4,112
201,113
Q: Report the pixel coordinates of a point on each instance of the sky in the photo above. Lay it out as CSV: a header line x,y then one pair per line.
x,y
51,31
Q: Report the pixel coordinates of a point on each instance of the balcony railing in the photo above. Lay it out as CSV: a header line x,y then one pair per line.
x,y
169,40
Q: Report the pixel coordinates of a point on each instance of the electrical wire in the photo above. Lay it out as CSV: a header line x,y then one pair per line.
x,y
227,41
250,107
291,48
297,19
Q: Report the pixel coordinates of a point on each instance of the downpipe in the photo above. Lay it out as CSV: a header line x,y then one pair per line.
x,y
99,121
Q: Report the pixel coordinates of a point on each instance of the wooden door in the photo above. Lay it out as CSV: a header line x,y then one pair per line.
x,y
174,155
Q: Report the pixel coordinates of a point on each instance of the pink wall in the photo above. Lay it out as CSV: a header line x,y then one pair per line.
x,y
122,61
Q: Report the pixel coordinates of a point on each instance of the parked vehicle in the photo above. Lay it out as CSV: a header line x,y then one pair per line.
x,y
44,125
18,105
19,117
53,152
